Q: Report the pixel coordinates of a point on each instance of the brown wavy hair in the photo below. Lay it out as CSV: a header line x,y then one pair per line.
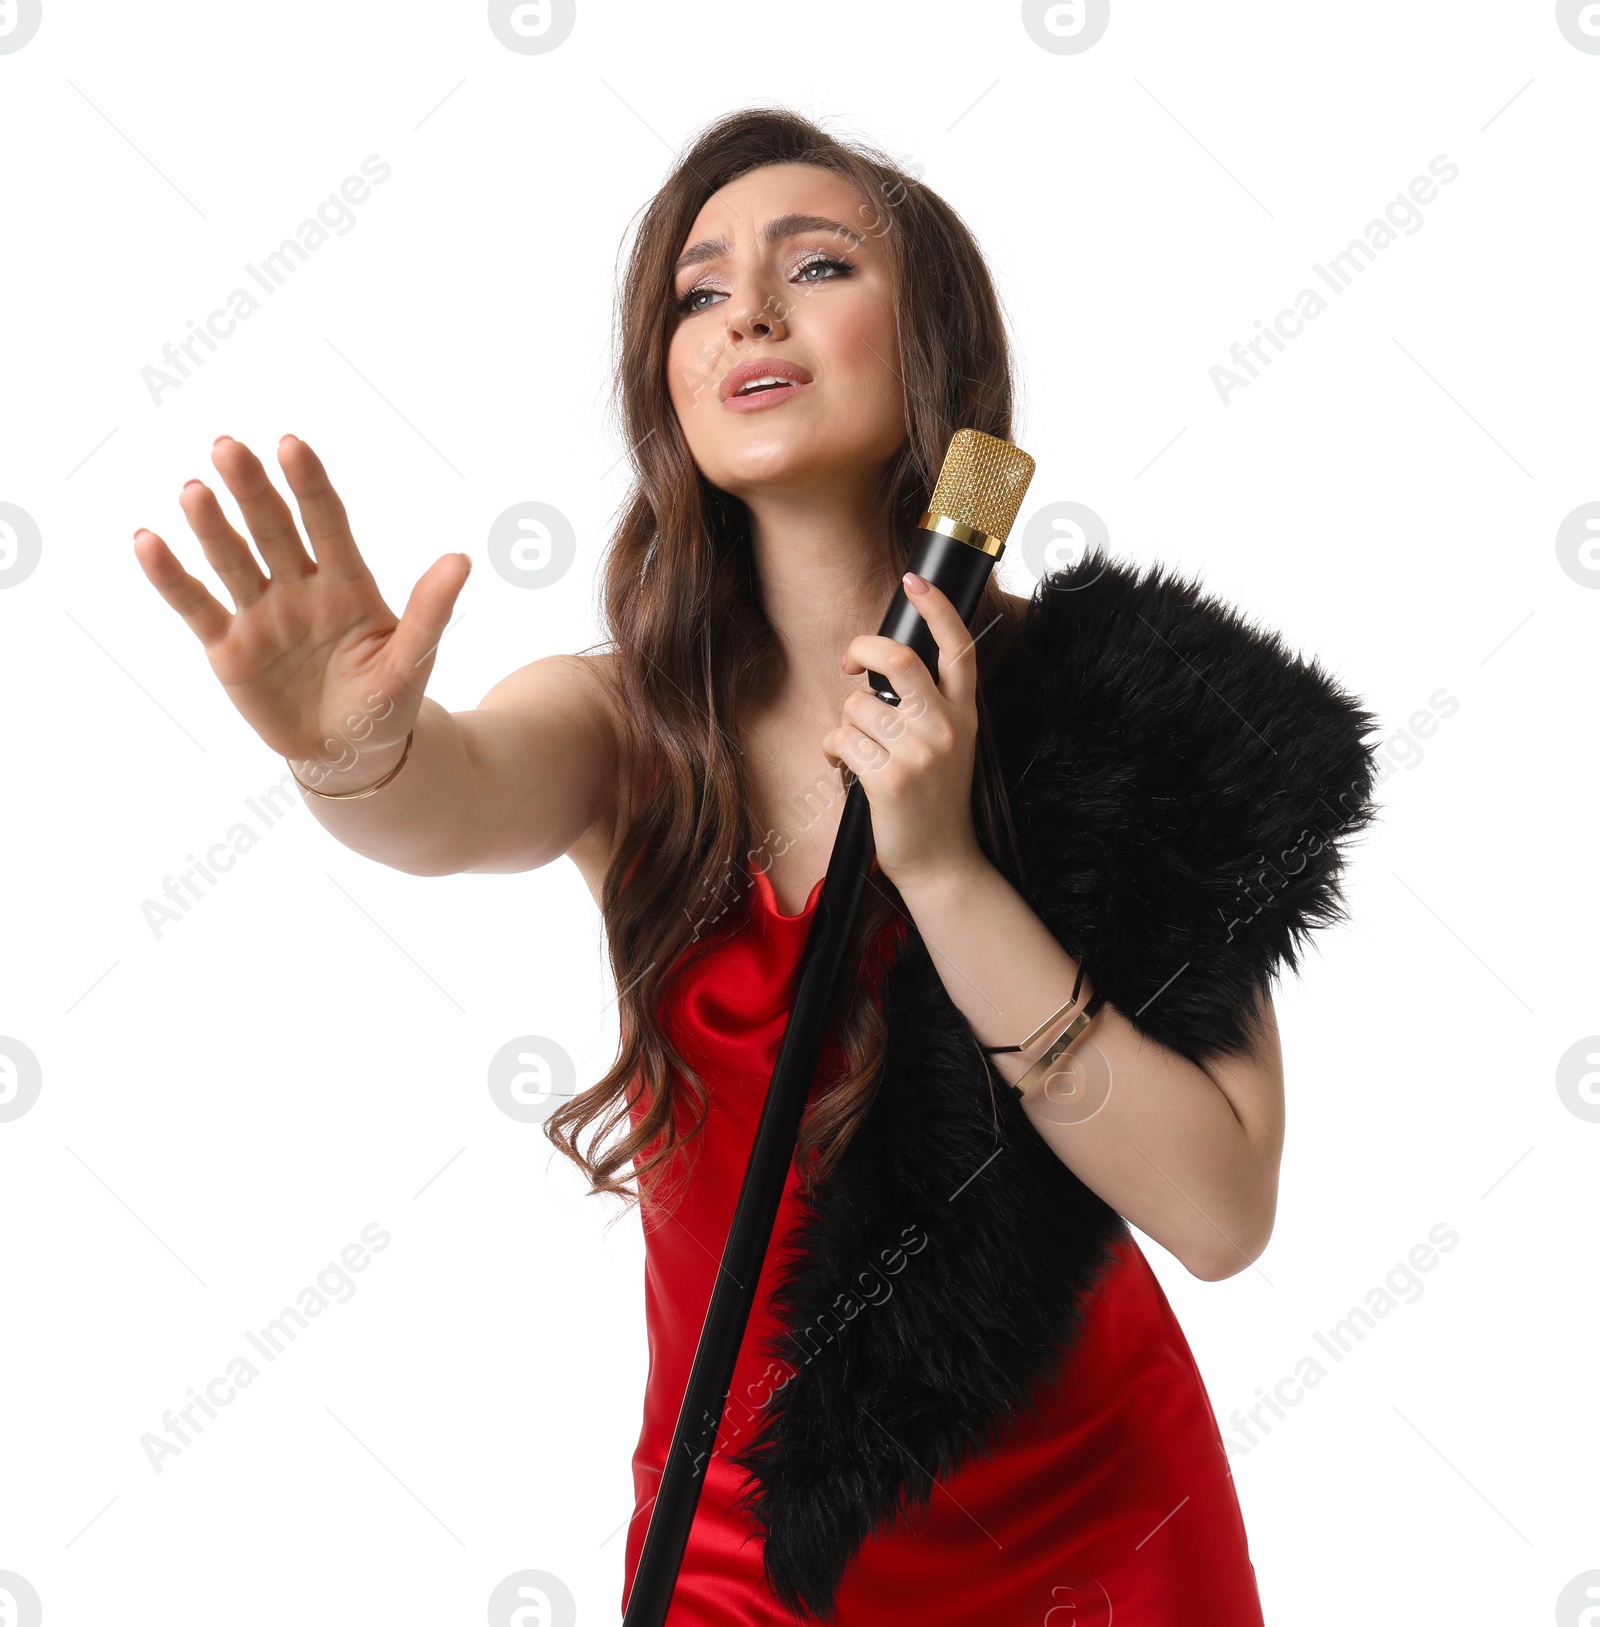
x,y
684,613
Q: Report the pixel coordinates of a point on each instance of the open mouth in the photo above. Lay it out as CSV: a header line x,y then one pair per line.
x,y
762,382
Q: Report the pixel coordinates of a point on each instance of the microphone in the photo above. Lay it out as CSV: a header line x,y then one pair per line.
x,y
959,537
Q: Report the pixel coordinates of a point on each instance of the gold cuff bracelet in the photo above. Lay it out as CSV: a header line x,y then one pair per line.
x,y
351,796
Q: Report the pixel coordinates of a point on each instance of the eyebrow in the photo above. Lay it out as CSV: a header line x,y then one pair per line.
x,y
775,231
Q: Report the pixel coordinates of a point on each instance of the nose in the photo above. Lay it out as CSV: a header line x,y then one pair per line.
x,y
757,315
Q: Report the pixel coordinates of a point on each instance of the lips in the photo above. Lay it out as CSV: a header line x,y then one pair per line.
x,y
757,384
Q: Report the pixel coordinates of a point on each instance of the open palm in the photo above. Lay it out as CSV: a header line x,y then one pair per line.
x,y
311,655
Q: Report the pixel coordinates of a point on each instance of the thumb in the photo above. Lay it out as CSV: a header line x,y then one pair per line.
x,y
415,641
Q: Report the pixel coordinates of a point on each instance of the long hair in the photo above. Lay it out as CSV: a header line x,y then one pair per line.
x,y
691,638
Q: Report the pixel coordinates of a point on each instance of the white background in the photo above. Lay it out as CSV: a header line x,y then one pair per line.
x,y
227,1105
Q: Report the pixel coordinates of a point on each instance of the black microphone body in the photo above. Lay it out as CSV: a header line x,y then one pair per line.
x,y
959,571
955,547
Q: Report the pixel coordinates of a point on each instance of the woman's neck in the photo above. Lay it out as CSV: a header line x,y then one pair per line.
x,y
824,579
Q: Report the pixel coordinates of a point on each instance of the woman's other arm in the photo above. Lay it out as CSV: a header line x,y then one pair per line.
x,y
1189,1154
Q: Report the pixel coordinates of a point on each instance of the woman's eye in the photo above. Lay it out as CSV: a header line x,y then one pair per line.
x,y
832,267
691,302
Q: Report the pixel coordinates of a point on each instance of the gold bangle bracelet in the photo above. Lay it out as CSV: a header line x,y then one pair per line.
x,y
1058,1045
353,796
1044,1027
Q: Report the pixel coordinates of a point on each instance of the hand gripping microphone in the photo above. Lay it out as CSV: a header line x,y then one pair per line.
x,y
958,539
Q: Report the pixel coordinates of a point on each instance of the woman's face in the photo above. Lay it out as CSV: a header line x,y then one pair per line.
x,y
782,276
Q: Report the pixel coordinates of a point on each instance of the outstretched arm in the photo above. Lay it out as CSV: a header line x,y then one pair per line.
x,y
330,678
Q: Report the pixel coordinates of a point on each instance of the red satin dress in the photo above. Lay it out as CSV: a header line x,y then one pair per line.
x,y
1117,1505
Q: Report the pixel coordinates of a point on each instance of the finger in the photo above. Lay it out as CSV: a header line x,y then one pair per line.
x,y
322,511
415,640
958,656
265,512
906,671
207,617
882,721
226,551
860,753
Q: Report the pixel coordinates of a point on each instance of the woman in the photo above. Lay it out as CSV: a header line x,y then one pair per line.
x,y
802,328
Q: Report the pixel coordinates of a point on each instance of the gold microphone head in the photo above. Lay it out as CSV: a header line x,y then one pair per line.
x,y
980,489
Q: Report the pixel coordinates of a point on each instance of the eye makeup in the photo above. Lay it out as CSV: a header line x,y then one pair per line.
x,y
834,266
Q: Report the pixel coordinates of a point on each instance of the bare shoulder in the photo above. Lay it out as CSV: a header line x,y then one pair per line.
x,y
583,682
577,687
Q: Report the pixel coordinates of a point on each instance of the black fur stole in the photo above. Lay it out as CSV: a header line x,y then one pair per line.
x,y
1180,783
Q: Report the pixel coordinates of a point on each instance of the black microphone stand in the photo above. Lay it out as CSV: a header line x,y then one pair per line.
x,y
960,571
